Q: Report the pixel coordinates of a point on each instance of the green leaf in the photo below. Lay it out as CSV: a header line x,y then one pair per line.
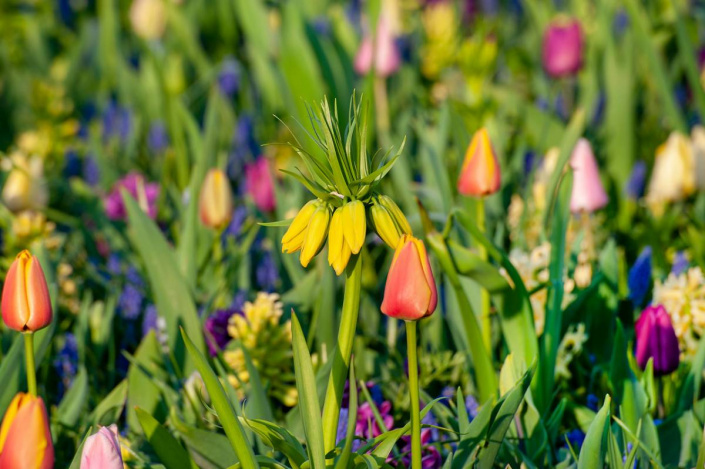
x,y
279,439
76,462
226,414
346,452
471,265
592,453
168,449
213,447
108,411
141,389
71,406
171,293
308,400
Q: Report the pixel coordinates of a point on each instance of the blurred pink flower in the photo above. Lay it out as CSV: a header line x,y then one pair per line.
x,y
563,48
588,194
145,193
367,426
260,184
382,51
102,450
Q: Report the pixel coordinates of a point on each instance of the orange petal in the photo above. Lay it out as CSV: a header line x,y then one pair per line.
x,y
407,294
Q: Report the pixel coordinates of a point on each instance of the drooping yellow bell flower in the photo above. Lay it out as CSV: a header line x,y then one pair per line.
x,y
315,235
388,221
294,237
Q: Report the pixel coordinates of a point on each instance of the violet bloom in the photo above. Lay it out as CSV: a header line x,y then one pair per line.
x,y
367,426
563,48
145,193
680,263
634,188
656,339
229,77
639,278
260,184
430,457
157,137
216,327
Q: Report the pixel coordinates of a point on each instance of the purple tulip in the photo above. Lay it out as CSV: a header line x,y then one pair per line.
x,y
656,339
563,48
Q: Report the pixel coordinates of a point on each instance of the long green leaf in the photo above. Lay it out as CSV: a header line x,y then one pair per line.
x,y
168,449
592,453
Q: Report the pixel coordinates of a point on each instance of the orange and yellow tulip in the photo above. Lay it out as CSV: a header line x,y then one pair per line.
x,y
216,201
410,292
480,174
25,440
26,306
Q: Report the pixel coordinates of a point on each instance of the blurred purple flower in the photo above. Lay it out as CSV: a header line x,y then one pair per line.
x,y
149,321
145,193
229,77
234,228
472,406
621,22
266,272
244,146
91,171
592,402
130,302
239,300
634,188
639,278
158,137
576,437
216,328
133,276
680,263
114,264
430,457
117,122
563,48
66,363
72,166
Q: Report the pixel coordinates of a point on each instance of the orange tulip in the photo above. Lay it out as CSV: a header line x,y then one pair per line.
x,y
216,201
26,306
410,292
25,440
480,174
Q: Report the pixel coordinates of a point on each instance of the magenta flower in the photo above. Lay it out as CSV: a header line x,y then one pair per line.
x,y
563,48
145,193
380,51
260,184
656,339
588,194
367,426
430,456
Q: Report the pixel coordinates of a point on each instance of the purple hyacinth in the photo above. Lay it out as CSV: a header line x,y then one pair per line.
x,y
117,122
266,272
229,77
130,302
234,228
157,137
656,340
639,279
216,330
634,188
680,263
91,171
150,319
66,363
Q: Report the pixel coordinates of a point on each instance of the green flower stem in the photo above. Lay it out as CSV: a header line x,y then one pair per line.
x,y
411,350
29,363
484,294
341,360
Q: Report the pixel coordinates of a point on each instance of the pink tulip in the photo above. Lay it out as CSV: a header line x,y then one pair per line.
x,y
260,184
382,52
145,193
588,194
102,450
410,292
563,48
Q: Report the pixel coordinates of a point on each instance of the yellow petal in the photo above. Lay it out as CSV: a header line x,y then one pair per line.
x,y
355,225
316,233
301,220
335,236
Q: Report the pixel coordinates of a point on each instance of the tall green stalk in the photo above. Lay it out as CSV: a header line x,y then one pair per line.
x,y
484,294
29,363
341,360
412,350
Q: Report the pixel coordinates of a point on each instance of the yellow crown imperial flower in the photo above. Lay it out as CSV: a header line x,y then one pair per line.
x,y
316,233
294,237
388,221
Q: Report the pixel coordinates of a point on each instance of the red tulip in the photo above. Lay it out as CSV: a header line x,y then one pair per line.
x,y
25,440
26,306
410,292
480,174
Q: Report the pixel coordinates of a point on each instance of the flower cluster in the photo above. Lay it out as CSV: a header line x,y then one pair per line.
x,y
267,340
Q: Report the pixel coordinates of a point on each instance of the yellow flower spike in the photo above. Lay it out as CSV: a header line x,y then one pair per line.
x,y
294,237
354,225
316,234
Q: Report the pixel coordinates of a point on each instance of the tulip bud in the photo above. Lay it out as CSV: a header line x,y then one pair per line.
x,y
338,250
148,18
25,440
383,52
25,187
216,201
26,306
260,184
588,194
563,48
673,177
410,292
388,221
294,237
102,450
480,174
656,339
315,235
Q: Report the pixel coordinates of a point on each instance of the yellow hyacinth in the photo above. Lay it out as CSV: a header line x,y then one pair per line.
x,y
389,221
294,237
315,235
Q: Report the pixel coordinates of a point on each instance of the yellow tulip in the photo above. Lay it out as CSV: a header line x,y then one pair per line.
x,y
25,188
316,233
294,237
338,249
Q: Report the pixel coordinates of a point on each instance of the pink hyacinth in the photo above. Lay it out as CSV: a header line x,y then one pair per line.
x,y
145,193
563,48
260,184
381,51
588,194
